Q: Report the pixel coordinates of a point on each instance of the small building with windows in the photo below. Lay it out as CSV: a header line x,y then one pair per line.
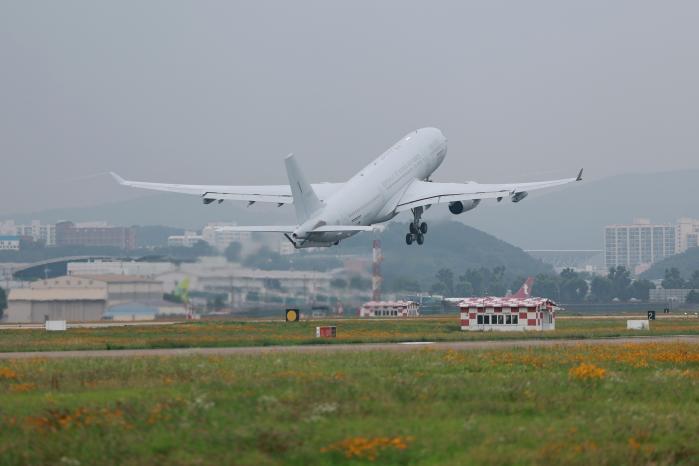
x,y
506,314
9,243
390,309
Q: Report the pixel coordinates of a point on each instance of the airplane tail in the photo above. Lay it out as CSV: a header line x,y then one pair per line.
x,y
305,200
526,290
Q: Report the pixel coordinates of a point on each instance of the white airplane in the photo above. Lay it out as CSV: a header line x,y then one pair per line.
x,y
398,180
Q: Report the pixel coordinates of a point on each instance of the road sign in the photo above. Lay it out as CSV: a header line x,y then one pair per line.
x,y
292,315
651,315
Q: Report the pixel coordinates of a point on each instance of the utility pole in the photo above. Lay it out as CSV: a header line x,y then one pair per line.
x,y
376,278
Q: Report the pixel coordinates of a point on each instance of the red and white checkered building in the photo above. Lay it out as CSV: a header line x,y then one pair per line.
x,y
508,314
390,309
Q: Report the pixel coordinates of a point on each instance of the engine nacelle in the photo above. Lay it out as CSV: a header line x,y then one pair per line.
x,y
459,207
516,197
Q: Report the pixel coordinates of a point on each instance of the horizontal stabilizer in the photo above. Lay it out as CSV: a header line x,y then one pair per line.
x,y
261,228
338,228
292,228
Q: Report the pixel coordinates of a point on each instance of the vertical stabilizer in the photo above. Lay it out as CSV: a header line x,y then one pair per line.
x,y
526,290
305,200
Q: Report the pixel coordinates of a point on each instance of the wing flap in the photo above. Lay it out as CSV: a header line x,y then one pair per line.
x,y
342,228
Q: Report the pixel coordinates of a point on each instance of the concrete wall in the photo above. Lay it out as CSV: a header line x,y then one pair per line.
x,y
18,311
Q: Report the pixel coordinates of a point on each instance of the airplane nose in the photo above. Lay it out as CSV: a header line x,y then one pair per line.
x,y
434,132
437,134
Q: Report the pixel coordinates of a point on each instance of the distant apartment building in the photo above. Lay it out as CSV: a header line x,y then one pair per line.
x,y
687,234
70,234
637,245
45,233
220,239
286,248
187,240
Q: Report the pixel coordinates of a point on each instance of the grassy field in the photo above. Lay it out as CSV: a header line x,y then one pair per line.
x,y
631,404
248,333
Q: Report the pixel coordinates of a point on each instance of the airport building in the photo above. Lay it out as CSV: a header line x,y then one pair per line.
x,y
505,314
87,298
638,245
119,267
57,299
390,309
248,287
242,285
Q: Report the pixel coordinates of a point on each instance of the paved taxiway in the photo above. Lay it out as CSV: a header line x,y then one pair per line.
x,y
331,348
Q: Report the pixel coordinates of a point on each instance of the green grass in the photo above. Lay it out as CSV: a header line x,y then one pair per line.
x,y
640,405
249,333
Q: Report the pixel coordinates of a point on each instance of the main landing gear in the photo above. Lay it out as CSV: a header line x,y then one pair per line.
x,y
418,229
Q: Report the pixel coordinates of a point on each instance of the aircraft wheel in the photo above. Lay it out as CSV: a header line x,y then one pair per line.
x,y
423,228
420,238
409,239
413,229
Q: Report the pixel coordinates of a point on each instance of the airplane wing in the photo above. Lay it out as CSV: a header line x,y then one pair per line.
x,y
421,193
280,194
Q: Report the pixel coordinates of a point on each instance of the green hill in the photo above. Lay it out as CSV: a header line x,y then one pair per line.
x,y
450,245
686,263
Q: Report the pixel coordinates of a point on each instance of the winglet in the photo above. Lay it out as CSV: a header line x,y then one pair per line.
x,y
579,178
118,179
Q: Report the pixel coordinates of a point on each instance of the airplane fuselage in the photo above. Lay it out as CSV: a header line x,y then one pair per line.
x,y
372,194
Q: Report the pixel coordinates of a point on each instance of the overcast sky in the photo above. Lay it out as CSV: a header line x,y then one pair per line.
x,y
219,92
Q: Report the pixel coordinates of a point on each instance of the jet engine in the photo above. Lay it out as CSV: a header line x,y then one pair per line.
x,y
459,207
516,197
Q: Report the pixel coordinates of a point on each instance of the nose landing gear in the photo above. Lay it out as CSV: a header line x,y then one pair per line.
x,y
417,228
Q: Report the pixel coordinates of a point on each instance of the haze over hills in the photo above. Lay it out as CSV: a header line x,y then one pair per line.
x,y
574,216
686,263
176,210
569,218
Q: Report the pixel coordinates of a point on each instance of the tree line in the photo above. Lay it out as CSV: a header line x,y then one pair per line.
x,y
3,302
673,280
568,286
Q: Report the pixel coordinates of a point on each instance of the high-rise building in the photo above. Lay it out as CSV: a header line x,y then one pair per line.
x,y
687,232
70,234
637,245
45,233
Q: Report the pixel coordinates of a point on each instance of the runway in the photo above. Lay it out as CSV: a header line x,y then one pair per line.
x,y
333,348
